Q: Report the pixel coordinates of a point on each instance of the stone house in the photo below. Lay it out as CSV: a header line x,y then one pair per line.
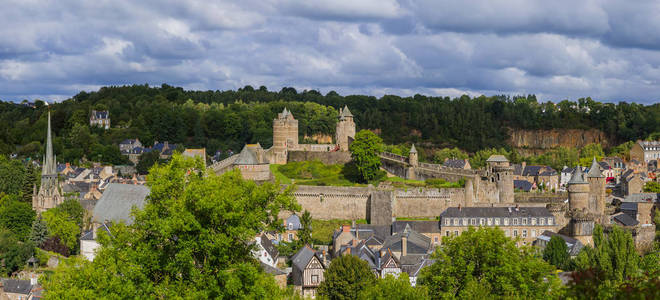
x,y
253,163
308,268
631,183
100,118
524,185
291,226
645,151
413,265
524,222
541,175
129,144
408,242
195,153
279,275
430,229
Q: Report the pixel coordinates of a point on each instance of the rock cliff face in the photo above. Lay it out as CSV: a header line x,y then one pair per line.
x,y
320,138
538,141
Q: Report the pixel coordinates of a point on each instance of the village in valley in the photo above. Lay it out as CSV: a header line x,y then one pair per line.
x,y
394,222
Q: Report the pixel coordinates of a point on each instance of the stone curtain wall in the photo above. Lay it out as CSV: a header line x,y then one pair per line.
x,y
327,203
328,158
425,203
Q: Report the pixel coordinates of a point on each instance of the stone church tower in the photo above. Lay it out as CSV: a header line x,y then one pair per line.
x,y
285,136
345,132
49,193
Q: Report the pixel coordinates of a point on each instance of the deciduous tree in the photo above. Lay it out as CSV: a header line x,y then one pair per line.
x,y
365,151
346,277
556,253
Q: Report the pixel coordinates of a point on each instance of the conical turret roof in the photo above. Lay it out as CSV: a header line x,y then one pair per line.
x,y
594,170
345,112
577,177
412,149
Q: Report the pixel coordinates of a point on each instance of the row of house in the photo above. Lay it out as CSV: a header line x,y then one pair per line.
x,y
133,149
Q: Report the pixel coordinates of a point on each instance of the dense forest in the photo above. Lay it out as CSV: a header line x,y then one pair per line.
x,y
228,119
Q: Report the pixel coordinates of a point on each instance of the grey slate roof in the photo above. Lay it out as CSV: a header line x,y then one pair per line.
x,y
419,226
17,286
468,212
594,170
629,206
101,114
345,112
416,243
293,222
248,156
578,176
625,219
643,197
302,258
574,245
269,247
497,158
412,149
271,270
523,185
413,270
454,163
117,202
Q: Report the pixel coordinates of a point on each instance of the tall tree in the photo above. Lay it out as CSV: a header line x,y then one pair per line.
x,y
16,216
346,277
394,289
13,253
613,254
191,240
305,233
556,253
485,262
365,151
39,232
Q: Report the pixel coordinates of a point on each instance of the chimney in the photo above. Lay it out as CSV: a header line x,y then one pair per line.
x,y
517,207
325,260
404,245
348,250
459,207
68,165
357,230
346,228
524,164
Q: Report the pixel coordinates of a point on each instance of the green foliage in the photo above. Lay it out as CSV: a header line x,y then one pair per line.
x,y
13,252
613,254
622,150
61,225
365,151
478,160
556,158
346,277
74,210
190,241
440,183
588,152
401,149
652,187
12,176
317,173
16,216
556,253
443,154
322,230
393,289
305,233
488,264
146,161
39,232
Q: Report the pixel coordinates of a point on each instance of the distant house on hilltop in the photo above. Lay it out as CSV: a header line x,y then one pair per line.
x,y
100,118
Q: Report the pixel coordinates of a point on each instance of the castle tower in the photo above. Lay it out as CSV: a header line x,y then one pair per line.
x,y
581,223
596,189
345,132
285,136
501,173
49,193
412,157
578,191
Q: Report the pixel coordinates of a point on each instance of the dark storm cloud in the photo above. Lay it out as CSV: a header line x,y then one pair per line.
x,y
609,50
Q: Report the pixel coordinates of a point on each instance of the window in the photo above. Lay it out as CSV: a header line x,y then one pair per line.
x,y
515,232
533,233
455,232
506,232
447,221
473,221
541,221
549,221
290,226
524,233
435,239
515,221
497,221
290,237
533,221
524,221
465,222
447,233
455,221
482,221
315,278
506,221
490,221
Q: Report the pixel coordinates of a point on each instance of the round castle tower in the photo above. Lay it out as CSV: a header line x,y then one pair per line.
x,y
578,191
501,173
596,189
285,136
345,132
581,224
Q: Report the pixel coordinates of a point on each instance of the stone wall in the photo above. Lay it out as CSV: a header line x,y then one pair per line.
x,y
425,203
331,202
328,158
538,141
255,172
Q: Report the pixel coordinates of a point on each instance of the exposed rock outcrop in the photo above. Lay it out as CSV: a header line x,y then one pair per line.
x,y
539,141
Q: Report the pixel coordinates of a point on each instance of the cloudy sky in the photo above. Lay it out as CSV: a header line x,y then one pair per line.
x,y
609,50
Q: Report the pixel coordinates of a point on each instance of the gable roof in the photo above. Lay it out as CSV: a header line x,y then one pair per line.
x,y
268,246
293,222
272,270
248,155
454,163
301,259
386,259
17,286
625,219
416,243
418,226
523,185
574,245
497,158
118,200
643,197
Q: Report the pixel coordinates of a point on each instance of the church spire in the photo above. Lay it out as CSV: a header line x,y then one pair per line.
x,y
49,167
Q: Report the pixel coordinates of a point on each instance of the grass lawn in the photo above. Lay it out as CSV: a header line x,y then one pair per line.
x,y
322,229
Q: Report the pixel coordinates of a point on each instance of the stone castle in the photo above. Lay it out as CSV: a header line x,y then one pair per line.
x,y
49,195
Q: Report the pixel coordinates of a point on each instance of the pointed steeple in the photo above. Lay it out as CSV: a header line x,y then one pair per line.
x,y
412,149
594,170
577,177
49,167
345,112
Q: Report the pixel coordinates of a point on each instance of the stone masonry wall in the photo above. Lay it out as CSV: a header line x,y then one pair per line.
x,y
328,158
